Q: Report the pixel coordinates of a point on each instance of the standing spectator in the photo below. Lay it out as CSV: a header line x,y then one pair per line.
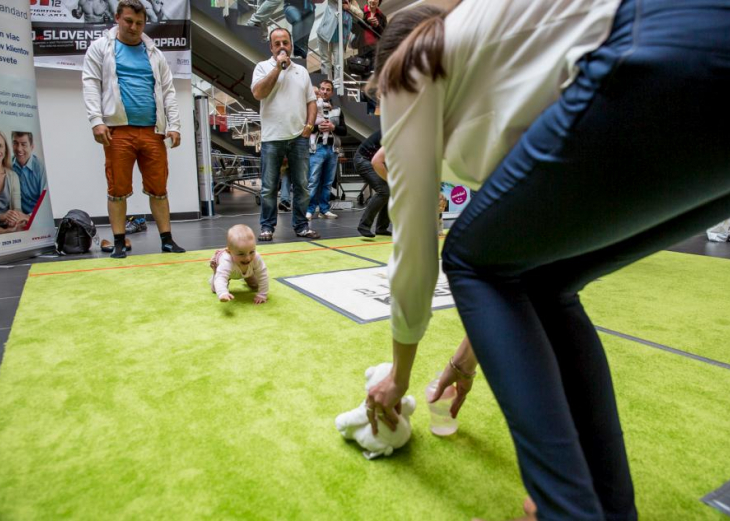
x,y
30,170
329,38
528,102
377,206
262,15
323,163
130,102
300,14
372,27
288,110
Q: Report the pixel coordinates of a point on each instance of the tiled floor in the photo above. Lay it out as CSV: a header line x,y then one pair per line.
x,y
211,233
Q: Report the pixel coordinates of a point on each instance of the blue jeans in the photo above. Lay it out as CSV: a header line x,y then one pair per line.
x,y
286,187
633,157
272,156
322,170
301,26
264,12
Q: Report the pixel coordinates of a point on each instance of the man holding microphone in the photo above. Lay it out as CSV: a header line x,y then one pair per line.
x,y
288,111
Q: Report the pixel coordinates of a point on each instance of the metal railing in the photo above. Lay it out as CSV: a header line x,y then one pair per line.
x,y
237,172
344,83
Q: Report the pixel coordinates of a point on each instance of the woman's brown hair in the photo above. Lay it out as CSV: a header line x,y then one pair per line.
x,y
414,39
6,163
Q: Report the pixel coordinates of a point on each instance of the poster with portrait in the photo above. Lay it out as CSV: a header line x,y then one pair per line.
x,y
26,218
64,29
456,198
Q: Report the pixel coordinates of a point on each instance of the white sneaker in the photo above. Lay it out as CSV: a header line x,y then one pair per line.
x,y
328,215
309,216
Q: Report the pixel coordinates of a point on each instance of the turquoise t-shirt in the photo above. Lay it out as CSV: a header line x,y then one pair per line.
x,y
136,83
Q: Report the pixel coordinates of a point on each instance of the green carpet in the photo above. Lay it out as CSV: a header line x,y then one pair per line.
x,y
670,298
133,393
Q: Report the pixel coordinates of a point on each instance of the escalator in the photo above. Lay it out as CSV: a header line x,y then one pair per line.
x,y
225,54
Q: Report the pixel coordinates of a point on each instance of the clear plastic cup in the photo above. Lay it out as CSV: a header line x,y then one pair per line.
x,y
442,424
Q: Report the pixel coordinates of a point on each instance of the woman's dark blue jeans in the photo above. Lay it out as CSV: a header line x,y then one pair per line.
x,y
633,158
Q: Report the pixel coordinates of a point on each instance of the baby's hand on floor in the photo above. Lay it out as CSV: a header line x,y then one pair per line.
x,y
258,299
226,297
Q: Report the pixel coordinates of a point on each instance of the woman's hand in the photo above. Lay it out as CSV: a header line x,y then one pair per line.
x,y
460,370
10,229
463,386
13,218
383,403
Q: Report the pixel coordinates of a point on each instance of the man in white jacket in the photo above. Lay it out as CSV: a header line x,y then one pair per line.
x,y
130,102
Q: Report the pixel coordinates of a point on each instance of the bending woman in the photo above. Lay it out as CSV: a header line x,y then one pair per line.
x,y
632,156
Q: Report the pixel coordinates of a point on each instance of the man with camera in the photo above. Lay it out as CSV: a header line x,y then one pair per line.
x,y
323,162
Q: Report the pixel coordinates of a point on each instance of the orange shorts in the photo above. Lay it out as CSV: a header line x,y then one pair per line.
x,y
140,144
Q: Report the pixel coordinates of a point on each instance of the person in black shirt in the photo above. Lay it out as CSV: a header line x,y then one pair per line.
x,y
378,204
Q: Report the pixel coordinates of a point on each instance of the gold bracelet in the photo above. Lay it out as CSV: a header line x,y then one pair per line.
x,y
462,374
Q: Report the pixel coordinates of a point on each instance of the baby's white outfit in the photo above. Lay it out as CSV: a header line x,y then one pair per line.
x,y
254,274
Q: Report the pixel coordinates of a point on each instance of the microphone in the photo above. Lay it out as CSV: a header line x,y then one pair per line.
x,y
283,65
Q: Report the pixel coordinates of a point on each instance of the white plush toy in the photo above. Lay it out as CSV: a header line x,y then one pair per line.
x,y
354,425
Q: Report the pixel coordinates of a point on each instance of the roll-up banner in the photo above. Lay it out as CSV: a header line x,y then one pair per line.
x,y
64,29
26,219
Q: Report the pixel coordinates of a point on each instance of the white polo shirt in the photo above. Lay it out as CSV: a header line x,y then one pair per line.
x,y
284,110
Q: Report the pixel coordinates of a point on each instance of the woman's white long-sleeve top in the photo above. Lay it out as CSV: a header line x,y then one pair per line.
x,y
506,61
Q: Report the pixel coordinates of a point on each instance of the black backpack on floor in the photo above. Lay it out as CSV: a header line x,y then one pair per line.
x,y
75,233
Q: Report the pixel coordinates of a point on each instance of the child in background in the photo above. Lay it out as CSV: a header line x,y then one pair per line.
x,y
323,108
239,261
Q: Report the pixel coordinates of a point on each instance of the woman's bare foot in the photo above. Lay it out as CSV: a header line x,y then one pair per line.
x,y
530,509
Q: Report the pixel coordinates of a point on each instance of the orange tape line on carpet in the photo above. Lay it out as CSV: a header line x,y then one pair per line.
x,y
131,266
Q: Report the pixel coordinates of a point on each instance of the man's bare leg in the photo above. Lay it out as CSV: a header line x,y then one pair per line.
x,y
160,209
117,218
